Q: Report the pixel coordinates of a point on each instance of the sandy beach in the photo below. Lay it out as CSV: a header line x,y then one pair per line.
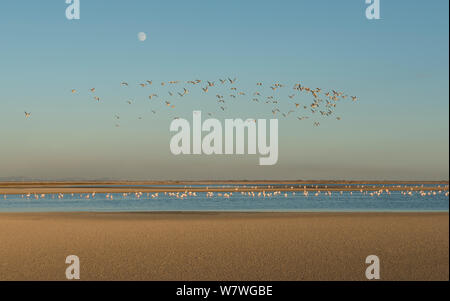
x,y
224,246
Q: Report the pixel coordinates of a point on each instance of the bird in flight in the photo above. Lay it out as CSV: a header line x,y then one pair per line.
x,y
27,115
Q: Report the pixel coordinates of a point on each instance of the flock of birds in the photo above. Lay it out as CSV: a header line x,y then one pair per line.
x,y
322,103
226,91
253,194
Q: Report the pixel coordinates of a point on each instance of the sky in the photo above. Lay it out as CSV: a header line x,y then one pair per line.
x,y
397,66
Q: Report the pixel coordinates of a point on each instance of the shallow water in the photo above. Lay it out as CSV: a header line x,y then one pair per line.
x,y
285,201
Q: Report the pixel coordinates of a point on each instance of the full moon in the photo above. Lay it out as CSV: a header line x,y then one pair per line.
x,y
142,36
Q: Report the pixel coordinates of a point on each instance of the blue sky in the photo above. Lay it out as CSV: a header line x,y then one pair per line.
x,y
397,66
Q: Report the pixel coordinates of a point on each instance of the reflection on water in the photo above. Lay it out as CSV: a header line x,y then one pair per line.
x,y
232,201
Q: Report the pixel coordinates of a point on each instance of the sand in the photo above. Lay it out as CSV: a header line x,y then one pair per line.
x,y
224,246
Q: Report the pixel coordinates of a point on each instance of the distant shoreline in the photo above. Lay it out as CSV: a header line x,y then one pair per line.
x,y
181,186
201,182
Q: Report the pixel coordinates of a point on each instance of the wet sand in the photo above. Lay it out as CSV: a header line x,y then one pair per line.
x,y
224,246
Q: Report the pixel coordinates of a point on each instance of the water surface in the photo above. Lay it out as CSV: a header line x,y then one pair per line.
x,y
284,201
